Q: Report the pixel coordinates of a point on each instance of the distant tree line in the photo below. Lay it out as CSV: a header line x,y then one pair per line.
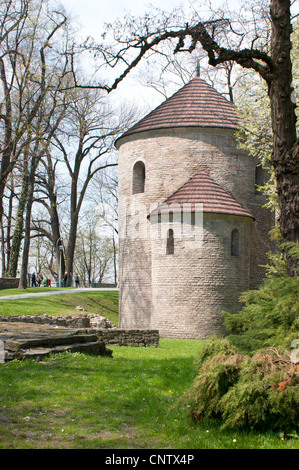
x,y
55,139
58,124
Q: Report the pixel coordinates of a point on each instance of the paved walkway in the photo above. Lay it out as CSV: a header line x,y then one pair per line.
x,y
55,292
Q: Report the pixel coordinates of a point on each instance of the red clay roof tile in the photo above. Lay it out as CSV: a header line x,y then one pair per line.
x,y
201,189
197,104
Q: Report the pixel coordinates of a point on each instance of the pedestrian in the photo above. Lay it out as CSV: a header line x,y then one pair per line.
x,y
64,279
33,280
77,281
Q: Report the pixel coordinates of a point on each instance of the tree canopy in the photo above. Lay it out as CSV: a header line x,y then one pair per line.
x,y
227,37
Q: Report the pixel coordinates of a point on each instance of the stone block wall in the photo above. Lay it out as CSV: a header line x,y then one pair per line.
x,y
121,337
183,295
91,323
194,285
135,278
9,283
173,156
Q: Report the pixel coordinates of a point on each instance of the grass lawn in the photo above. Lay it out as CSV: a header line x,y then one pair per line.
x,y
104,303
29,290
130,401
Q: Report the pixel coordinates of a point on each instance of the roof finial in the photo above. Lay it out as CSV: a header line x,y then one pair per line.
x,y
198,68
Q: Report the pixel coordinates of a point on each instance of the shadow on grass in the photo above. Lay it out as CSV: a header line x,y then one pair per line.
x,y
128,399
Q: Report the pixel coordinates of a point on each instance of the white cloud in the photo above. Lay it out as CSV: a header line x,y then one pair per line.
x,y
92,14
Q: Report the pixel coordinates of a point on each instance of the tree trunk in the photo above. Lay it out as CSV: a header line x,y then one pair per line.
x,y
75,206
25,257
3,178
19,224
285,158
59,254
55,229
9,223
3,268
114,261
70,252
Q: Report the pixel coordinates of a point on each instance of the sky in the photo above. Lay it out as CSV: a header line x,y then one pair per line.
x,y
93,13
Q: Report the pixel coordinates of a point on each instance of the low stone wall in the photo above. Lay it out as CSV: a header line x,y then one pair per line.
x,y
71,321
137,338
9,283
104,329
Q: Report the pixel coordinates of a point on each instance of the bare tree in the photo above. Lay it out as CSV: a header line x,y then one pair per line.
x,y
50,227
105,195
19,219
46,130
94,258
244,44
85,144
27,31
169,71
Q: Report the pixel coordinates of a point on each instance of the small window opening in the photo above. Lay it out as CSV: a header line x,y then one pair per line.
x,y
259,178
170,243
138,178
235,243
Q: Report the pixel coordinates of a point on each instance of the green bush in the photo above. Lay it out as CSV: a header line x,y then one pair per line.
x,y
269,317
214,346
266,395
257,392
215,379
247,379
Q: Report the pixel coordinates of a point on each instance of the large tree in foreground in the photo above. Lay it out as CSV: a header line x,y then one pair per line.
x,y
224,43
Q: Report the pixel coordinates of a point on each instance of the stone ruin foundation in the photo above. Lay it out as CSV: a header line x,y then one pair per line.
x,y
38,336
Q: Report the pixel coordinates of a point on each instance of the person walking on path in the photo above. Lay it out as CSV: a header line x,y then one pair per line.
x,y
64,279
40,278
77,281
33,280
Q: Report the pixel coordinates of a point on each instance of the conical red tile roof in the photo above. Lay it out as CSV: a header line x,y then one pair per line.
x,y
197,104
201,189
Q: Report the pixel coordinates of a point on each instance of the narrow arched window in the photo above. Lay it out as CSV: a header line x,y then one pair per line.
x,y
259,178
170,242
138,178
234,247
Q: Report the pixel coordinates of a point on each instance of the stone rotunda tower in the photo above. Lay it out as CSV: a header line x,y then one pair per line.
x,y
193,229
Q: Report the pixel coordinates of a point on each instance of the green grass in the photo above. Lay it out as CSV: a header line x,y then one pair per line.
x,y
29,290
129,401
104,303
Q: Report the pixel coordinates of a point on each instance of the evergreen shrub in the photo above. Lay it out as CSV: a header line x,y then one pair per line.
x,y
248,379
